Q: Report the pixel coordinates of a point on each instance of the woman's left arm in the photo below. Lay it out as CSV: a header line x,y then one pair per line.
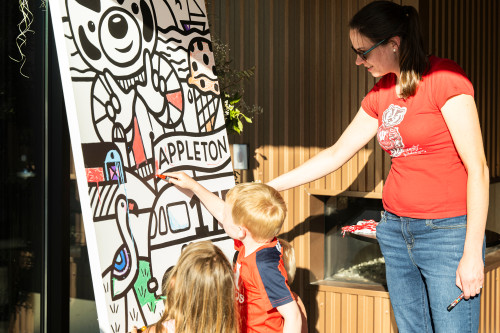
x,y
460,114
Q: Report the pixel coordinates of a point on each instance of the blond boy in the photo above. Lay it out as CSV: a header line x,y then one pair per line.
x,y
253,215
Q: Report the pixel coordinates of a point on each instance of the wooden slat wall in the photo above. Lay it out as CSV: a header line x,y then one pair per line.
x,y
307,82
345,312
490,300
468,32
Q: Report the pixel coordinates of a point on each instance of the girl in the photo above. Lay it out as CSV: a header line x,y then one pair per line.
x,y
199,293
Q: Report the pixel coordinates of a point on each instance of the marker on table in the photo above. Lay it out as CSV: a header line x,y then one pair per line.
x,y
455,302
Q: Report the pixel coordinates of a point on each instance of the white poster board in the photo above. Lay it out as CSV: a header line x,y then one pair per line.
x,y
141,98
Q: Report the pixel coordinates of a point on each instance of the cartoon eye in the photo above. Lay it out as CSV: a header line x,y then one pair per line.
x,y
91,26
135,8
118,26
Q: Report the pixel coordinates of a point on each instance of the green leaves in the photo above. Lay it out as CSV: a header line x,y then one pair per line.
x,y
231,81
233,114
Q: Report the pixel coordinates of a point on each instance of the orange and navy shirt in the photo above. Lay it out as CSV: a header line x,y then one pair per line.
x,y
261,286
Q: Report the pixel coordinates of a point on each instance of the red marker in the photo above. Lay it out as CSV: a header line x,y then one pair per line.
x,y
165,178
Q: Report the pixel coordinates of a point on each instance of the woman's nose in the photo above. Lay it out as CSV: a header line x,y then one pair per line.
x,y
359,60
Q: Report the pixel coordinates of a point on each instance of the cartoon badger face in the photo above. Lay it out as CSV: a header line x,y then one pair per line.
x,y
113,34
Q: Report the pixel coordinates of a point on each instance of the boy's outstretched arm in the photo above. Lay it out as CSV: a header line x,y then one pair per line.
x,y
212,202
293,319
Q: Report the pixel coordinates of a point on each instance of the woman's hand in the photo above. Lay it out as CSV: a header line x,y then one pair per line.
x,y
470,275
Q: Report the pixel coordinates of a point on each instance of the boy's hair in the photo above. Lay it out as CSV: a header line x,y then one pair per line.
x,y
288,259
259,208
200,291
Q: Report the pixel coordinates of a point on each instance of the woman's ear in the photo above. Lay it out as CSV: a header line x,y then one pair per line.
x,y
395,42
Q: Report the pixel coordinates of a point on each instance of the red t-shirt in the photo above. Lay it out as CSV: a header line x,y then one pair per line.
x,y
262,285
427,177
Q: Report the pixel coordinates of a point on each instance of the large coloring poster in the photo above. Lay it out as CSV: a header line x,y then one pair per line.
x,y
142,98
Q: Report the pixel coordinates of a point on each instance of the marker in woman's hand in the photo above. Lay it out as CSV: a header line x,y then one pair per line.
x,y
455,302
458,299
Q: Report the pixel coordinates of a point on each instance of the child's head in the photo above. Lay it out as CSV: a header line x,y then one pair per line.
x,y
200,291
258,207
288,259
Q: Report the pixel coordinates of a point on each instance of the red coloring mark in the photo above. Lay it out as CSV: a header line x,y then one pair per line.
x,y
137,145
175,99
95,175
161,176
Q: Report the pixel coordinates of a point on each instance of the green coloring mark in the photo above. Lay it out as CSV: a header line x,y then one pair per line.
x,y
141,286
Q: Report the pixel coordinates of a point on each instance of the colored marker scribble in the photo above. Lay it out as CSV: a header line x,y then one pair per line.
x,y
122,263
95,175
114,173
141,286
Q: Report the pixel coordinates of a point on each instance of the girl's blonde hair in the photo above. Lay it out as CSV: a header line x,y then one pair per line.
x,y
288,259
200,292
259,208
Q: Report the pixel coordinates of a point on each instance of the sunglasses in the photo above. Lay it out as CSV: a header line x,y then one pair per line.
x,y
363,55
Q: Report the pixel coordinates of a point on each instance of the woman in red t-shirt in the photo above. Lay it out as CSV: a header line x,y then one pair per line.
x,y
423,113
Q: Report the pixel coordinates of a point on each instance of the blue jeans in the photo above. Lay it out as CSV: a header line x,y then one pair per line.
x,y
421,259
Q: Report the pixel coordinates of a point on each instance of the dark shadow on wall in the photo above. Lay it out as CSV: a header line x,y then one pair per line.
x,y
303,276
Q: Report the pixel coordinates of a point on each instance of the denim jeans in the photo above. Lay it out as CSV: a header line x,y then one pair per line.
x,y
421,259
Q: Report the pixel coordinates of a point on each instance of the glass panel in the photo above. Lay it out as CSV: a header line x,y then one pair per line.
x,y
22,41
352,258
82,310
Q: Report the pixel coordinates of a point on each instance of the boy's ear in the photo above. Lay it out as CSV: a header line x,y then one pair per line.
x,y
242,233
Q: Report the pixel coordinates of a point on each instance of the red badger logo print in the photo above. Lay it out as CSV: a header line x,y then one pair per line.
x,y
388,133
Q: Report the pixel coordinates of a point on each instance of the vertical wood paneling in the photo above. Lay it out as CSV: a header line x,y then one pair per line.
x,y
490,305
467,32
339,312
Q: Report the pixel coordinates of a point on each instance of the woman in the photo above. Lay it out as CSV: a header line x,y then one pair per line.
x,y
436,195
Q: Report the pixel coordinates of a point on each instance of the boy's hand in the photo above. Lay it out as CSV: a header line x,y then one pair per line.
x,y
212,202
181,180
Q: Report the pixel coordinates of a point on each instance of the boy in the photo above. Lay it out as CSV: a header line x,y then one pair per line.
x,y
253,215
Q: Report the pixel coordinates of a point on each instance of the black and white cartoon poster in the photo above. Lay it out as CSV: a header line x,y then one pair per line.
x,y
142,98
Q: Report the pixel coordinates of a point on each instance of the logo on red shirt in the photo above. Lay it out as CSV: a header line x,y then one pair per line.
x,y
388,133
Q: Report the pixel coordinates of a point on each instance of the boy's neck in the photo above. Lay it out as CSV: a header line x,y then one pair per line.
x,y
251,245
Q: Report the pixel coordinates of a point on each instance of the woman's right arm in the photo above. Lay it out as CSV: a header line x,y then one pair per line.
x,y
359,132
